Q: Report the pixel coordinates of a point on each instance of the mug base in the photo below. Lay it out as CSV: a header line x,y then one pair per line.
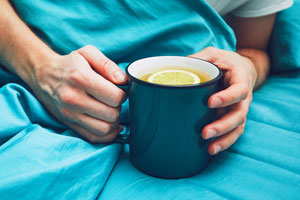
x,y
168,176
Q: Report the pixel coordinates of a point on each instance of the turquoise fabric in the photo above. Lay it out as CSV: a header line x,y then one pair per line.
x,y
40,158
126,30
263,164
284,45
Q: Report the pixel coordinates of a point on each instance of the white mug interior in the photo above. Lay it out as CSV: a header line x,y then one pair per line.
x,y
148,65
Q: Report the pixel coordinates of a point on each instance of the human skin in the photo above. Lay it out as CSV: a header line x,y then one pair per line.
x,y
245,70
78,88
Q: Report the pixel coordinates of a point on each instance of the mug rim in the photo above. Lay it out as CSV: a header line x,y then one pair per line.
x,y
198,85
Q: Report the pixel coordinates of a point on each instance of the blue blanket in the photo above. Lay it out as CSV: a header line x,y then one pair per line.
x,y
263,164
40,158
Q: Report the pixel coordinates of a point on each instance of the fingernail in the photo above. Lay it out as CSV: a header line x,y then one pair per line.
x,y
211,133
120,76
216,102
217,149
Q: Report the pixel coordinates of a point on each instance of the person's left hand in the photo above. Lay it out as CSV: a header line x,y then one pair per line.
x,y
233,102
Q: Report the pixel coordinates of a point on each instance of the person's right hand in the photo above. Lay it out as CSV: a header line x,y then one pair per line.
x,y
78,89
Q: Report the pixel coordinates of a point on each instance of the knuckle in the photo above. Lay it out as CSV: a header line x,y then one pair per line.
x,y
118,98
242,118
92,138
66,113
78,78
245,92
105,129
250,97
114,115
69,98
73,54
241,130
89,47
211,50
219,130
110,137
231,97
75,58
107,64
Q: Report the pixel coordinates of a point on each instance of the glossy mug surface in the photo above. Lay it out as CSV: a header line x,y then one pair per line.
x,y
166,121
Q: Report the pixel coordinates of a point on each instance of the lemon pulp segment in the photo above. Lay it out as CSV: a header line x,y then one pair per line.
x,y
174,77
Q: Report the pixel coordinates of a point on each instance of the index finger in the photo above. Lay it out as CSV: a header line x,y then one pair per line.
x,y
101,64
105,91
231,95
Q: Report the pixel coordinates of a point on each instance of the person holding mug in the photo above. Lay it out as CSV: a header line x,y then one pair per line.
x,y
80,90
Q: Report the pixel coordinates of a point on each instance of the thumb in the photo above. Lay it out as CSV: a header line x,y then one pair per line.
x,y
101,64
211,54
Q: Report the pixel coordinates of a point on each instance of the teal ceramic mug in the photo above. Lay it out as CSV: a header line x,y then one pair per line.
x,y
166,121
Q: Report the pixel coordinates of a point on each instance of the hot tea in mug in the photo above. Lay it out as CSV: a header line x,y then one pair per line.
x,y
168,110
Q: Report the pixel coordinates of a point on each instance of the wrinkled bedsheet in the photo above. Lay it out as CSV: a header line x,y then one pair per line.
x,y
263,164
40,158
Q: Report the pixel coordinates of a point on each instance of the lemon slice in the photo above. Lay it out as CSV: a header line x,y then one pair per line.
x,y
174,77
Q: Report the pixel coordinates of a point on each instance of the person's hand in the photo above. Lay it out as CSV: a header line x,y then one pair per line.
x,y
78,90
233,102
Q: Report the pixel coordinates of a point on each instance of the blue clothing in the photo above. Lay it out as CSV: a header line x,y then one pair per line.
x,y
126,30
40,158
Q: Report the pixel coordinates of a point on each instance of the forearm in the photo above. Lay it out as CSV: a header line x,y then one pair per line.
x,y
260,61
21,51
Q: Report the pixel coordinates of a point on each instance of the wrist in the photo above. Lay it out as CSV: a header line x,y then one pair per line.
x,y
260,61
41,60
34,63
252,71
